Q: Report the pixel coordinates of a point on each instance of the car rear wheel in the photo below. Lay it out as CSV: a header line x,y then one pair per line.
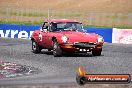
x,y
57,52
96,52
35,47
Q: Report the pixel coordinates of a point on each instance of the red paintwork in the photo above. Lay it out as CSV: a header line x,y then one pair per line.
x,y
73,36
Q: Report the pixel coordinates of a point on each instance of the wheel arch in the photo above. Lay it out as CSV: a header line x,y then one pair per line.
x,y
32,39
54,38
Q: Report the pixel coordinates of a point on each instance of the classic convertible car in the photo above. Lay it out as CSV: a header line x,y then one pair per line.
x,y
64,35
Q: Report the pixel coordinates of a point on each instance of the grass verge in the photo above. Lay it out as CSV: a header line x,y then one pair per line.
x,y
40,22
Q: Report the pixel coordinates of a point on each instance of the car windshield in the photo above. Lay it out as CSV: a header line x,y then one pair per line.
x,y
67,26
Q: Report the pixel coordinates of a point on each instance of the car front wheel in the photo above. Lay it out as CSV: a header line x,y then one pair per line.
x,y
35,47
96,52
56,50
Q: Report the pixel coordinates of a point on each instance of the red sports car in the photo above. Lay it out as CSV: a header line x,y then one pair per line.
x,y
63,35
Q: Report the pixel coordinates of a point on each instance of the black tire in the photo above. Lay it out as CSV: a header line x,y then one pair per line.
x,y
96,52
35,47
57,52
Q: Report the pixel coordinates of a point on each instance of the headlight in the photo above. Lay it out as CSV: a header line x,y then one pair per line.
x,y
100,39
64,39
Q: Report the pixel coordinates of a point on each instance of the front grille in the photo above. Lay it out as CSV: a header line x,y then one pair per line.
x,y
89,43
84,45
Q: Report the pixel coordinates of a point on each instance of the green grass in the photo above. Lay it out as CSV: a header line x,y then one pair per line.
x,y
22,23
40,22
35,14
120,26
71,15
29,14
119,16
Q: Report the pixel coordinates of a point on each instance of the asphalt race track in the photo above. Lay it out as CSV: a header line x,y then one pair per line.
x,y
115,59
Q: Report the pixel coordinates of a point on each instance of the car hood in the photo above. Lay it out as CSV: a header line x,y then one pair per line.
x,y
80,36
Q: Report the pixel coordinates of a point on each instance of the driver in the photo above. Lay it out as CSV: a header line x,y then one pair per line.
x,y
68,26
54,27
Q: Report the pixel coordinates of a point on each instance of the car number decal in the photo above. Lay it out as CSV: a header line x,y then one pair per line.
x,y
40,37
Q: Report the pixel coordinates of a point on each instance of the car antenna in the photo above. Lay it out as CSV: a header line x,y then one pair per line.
x,y
48,14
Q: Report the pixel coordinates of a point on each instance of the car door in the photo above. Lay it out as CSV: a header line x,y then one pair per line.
x,y
43,34
48,37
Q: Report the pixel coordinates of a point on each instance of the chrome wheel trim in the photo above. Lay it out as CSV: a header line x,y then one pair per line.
x,y
54,48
